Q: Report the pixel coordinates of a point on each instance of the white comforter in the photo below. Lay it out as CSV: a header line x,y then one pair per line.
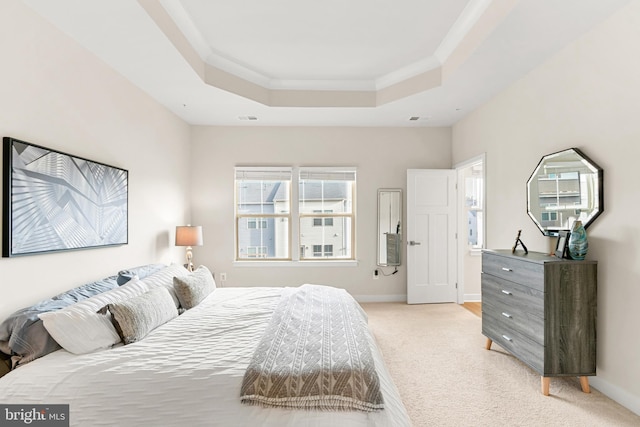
x,y
186,373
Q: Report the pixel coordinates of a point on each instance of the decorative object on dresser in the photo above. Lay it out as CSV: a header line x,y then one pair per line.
x,y
189,235
562,244
519,242
578,244
542,310
54,201
566,186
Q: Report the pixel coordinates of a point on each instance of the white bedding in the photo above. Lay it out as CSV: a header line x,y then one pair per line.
x,y
187,372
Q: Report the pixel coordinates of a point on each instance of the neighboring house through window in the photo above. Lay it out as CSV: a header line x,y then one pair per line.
x,y
263,213
321,223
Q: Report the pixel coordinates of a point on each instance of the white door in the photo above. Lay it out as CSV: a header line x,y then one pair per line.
x,y
431,236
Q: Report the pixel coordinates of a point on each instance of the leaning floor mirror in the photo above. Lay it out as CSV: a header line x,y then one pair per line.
x,y
389,226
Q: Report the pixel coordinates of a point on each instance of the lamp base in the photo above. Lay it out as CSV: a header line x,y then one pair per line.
x,y
189,264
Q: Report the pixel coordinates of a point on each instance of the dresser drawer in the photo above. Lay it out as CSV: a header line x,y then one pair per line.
x,y
514,269
522,347
520,321
520,298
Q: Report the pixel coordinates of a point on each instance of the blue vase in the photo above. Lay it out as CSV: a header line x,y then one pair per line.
x,y
578,244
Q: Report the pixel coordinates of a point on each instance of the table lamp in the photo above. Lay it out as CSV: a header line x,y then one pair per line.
x,y
189,236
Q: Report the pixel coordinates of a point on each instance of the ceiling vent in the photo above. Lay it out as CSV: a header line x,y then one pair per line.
x,y
253,118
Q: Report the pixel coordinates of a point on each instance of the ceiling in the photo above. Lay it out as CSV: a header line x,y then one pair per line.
x,y
324,63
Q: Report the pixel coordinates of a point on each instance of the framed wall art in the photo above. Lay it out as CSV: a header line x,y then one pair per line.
x,y
53,201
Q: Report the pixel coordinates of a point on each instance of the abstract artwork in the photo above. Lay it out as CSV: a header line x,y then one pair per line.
x,y
53,201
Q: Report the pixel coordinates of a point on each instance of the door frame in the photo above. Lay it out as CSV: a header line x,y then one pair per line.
x,y
461,220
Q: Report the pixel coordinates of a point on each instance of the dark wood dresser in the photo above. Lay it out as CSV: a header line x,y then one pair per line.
x,y
542,309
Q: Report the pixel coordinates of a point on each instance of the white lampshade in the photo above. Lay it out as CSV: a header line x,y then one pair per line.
x,y
189,235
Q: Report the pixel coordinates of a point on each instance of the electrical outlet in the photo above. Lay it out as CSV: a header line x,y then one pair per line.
x,y
223,277
376,274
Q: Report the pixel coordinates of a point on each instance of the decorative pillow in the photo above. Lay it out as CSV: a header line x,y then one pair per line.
x,y
23,336
164,278
141,271
80,329
136,317
192,288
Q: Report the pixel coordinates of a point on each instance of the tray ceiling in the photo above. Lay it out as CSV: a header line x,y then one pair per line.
x,y
329,63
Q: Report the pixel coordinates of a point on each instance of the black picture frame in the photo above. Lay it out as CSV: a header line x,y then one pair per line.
x,y
562,244
54,201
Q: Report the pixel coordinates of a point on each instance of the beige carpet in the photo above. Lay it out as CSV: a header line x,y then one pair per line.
x,y
436,356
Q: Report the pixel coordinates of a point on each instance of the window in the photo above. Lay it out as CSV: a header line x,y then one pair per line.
x,y
254,223
257,251
263,213
321,224
326,212
322,250
328,222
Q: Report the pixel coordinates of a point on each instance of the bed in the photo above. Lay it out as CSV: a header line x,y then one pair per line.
x,y
189,371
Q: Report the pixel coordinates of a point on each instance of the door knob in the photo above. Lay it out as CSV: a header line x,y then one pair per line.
x,y
413,243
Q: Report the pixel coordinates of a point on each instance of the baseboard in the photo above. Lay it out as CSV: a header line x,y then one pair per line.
x,y
380,298
629,401
472,297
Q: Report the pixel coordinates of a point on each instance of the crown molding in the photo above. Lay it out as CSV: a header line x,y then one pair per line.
x,y
241,79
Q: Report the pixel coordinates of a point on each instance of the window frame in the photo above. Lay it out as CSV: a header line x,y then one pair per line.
x,y
327,213
256,172
294,217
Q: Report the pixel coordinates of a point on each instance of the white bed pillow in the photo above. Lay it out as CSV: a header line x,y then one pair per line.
x,y
80,331
79,328
165,277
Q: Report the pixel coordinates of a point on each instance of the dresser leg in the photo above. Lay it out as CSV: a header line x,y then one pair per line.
x,y
488,344
545,385
584,383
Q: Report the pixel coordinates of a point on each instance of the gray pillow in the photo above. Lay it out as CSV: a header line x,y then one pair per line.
x,y
141,272
23,336
194,287
136,317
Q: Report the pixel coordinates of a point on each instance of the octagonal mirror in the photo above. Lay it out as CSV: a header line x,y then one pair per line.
x,y
565,186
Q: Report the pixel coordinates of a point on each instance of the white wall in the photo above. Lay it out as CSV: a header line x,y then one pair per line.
x,y
586,96
382,156
56,94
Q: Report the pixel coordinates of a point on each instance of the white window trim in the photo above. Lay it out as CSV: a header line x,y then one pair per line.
x,y
305,263
294,240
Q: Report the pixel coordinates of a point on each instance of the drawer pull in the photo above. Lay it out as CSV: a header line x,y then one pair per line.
x,y
506,292
506,269
507,338
507,315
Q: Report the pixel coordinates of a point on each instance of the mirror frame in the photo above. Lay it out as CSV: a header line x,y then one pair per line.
x,y
383,231
597,170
